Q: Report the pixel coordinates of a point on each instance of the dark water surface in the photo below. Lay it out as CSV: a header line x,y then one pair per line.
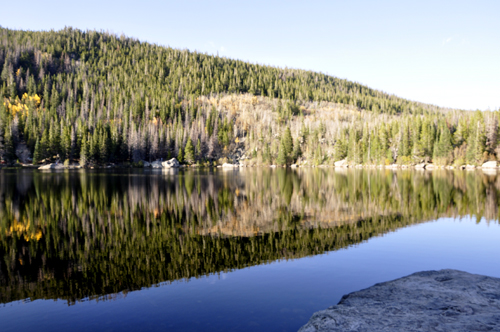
x,y
239,250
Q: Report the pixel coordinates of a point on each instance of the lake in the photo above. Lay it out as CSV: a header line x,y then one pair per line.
x,y
251,249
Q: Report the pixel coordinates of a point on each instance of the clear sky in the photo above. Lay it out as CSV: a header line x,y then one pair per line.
x,y
441,52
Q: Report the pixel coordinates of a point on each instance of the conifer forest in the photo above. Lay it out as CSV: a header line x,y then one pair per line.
x,y
95,98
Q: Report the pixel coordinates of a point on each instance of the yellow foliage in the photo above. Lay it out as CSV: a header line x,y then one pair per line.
x,y
237,140
23,229
18,72
21,106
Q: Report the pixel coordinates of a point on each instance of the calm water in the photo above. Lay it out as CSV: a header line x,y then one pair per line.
x,y
244,250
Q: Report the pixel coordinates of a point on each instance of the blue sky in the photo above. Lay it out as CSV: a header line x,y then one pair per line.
x,y
441,52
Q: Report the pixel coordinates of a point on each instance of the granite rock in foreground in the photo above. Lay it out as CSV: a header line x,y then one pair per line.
x,y
446,300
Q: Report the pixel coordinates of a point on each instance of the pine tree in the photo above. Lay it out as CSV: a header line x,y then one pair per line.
x,y
54,141
297,151
189,152
84,152
404,147
443,147
354,153
103,148
318,156
288,143
427,137
375,149
198,149
66,143
8,146
180,155
476,139
281,160
340,149
37,156
44,144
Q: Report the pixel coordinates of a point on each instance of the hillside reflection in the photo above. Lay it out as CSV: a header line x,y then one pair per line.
x,y
77,235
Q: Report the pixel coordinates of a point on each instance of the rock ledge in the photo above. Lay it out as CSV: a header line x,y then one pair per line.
x,y
445,300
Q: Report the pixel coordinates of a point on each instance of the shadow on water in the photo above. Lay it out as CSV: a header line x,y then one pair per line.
x,y
77,235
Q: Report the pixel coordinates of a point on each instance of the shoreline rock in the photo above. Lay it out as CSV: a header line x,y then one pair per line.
x,y
172,163
52,166
445,300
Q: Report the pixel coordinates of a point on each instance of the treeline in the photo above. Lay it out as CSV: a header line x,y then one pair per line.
x,y
78,235
94,97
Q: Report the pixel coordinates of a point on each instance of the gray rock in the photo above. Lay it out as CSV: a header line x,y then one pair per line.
x,y
227,165
446,300
172,163
341,163
146,163
156,164
52,166
490,164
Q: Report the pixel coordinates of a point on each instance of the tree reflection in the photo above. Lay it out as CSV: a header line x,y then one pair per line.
x,y
87,235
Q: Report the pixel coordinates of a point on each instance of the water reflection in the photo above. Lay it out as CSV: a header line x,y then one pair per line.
x,y
75,235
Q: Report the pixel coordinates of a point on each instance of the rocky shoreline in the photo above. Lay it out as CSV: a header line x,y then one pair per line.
x,y
489,166
445,300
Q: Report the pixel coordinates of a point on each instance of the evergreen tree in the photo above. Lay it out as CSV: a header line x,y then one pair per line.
x,y
104,146
37,156
297,151
288,143
443,147
477,140
8,146
84,152
404,147
282,157
44,144
54,140
340,149
198,149
189,152
66,143
180,155
354,153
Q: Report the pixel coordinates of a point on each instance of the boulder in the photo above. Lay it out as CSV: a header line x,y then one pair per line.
x,y
490,164
156,164
293,165
51,166
227,165
420,166
172,163
146,163
445,300
470,167
341,163
430,166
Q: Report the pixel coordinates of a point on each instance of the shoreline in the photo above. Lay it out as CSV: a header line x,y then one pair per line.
x,y
52,166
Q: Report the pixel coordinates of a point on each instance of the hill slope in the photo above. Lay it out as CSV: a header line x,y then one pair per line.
x,y
99,98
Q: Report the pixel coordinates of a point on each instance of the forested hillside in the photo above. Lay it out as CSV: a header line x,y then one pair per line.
x,y
96,98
